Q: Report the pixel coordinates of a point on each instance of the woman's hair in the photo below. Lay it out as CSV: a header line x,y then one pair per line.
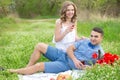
x,y
64,9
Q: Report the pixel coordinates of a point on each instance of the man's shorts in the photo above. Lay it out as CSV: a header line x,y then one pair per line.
x,y
58,61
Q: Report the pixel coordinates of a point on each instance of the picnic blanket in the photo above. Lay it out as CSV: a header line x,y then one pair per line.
x,y
48,76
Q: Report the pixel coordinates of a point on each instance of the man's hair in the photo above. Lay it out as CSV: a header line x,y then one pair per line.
x,y
99,30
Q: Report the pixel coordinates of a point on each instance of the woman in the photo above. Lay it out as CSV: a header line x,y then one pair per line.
x,y
66,26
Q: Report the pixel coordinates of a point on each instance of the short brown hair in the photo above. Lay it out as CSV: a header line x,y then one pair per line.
x,y
99,30
64,9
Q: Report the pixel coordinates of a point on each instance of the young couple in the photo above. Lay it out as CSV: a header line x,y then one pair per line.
x,y
71,52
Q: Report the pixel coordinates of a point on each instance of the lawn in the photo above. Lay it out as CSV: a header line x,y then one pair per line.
x,y
18,38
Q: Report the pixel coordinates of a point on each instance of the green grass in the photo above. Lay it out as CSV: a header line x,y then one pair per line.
x,y
19,37
105,72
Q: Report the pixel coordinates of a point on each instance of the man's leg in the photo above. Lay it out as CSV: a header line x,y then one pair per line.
x,y
41,48
29,70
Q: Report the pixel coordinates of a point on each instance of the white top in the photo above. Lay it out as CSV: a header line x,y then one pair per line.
x,y
66,41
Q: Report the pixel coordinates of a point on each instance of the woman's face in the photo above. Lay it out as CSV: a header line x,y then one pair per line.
x,y
70,12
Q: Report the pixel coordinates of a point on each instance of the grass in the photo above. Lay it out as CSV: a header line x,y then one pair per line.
x,y
19,37
105,72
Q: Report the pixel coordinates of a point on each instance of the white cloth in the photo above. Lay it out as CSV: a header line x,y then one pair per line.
x,y
66,41
47,76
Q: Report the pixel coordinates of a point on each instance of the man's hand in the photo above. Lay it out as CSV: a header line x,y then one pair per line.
x,y
78,64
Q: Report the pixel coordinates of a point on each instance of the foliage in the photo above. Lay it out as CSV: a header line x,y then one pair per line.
x,y
32,8
5,2
4,7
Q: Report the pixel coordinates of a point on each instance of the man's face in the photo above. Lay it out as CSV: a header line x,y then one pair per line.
x,y
95,38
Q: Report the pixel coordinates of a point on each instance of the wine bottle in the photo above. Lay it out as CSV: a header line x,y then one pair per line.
x,y
99,54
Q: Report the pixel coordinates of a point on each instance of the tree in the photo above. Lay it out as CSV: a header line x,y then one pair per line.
x,y
4,6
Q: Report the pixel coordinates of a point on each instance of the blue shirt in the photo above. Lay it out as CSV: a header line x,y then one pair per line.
x,y
85,50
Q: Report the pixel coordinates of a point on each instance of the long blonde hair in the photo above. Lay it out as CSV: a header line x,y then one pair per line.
x,y
64,9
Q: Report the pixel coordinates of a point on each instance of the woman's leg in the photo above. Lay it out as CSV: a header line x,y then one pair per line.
x,y
29,70
41,48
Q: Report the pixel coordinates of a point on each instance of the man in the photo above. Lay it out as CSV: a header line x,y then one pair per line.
x,y
77,56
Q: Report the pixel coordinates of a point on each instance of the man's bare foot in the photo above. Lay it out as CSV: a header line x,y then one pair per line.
x,y
12,70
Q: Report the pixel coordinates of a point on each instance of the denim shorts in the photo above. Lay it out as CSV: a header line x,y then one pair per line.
x,y
58,60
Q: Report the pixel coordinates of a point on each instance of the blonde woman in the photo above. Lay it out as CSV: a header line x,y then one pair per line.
x,y
66,26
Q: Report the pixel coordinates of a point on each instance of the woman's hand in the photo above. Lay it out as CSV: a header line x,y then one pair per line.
x,y
69,29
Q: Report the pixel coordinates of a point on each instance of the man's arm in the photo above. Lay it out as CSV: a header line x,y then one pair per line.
x,y
70,52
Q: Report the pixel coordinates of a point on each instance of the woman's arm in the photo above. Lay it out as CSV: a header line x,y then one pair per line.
x,y
58,35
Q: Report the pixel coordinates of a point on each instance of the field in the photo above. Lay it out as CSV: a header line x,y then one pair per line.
x,y
18,38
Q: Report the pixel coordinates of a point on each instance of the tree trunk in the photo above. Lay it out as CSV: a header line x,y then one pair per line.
x,y
118,8
4,10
